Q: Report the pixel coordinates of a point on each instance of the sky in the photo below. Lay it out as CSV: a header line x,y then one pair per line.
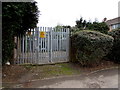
x,y
66,12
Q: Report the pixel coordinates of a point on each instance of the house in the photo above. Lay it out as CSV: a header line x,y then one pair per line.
x,y
113,23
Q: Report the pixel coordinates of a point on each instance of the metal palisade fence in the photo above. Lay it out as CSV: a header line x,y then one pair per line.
x,y
43,45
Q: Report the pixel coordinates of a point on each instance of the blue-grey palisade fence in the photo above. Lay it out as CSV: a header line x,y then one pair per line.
x,y
43,45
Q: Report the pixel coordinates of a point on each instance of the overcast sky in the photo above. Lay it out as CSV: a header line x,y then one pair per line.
x,y
66,12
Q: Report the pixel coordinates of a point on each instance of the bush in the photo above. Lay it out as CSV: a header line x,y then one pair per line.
x,y
101,27
89,47
115,53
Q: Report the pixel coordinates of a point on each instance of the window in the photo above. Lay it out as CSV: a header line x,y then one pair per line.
x,y
116,26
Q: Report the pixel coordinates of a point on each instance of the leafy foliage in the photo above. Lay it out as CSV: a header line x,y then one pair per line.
x,y
89,47
80,23
115,53
101,27
97,26
17,18
59,27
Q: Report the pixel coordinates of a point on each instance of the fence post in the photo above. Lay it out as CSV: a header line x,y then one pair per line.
x,y
37,44
50,45
15,50
68,43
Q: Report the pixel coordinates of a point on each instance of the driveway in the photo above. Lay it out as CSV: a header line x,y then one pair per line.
x,y
100,79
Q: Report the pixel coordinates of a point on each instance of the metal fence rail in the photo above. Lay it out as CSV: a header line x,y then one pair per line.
x,y
53,47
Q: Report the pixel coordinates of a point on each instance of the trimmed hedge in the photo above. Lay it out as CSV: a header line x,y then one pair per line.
x,y
89,47
115,53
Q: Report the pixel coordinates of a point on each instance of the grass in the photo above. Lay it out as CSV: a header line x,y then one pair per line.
x,y
52,70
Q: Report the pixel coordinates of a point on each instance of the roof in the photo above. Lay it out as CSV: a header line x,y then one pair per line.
x,y
113,21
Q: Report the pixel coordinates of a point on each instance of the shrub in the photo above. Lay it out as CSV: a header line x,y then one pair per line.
x,y
115,53
89,47
97,26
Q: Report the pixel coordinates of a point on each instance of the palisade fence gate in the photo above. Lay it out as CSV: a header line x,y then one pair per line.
x,y
43,45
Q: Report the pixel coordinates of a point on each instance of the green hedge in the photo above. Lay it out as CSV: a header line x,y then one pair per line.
x,y
115,53
89,47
